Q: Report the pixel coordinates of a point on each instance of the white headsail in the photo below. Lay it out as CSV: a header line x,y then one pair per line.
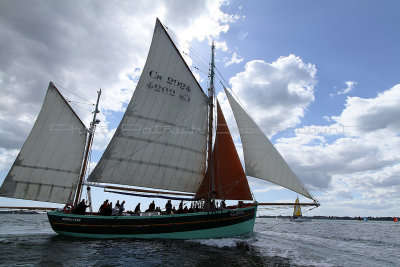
x,y
161,140
47,167
262,160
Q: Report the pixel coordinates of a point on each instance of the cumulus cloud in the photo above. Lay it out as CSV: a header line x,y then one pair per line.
x,y
349,87
7,157
221,45
356,157
235,59
367,115
83,46
276,94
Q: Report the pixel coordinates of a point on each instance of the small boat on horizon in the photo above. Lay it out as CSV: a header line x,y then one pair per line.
x,y
297,214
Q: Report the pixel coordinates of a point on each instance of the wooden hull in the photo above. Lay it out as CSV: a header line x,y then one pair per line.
x,y
206,225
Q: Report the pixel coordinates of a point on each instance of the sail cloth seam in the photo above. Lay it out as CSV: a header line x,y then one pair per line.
x,y
192,130
162,143
154,164
162,135
44,168
150,196
153,141
43,184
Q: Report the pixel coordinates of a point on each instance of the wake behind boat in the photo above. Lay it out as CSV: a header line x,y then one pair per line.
x,y
163,147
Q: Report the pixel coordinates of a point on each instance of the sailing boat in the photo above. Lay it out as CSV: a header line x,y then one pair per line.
x,y
161,148
297,215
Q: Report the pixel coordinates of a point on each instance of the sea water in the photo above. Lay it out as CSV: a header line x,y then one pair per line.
x,y
28,240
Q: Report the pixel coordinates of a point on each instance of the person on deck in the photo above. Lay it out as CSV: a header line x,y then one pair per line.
x,y
223,205
121,208
168,207
152,207
117,205
191,210
108,211
81,208
180,209
212,207
196,207
103,207
137,209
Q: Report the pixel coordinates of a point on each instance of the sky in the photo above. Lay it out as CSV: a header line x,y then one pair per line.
x,y
321,79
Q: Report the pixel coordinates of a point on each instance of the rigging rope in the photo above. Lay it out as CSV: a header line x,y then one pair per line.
x,y
72,102
58,85
226,83
83,103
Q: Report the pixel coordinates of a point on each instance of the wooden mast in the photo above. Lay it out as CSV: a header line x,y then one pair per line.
x,y
87,150
210,124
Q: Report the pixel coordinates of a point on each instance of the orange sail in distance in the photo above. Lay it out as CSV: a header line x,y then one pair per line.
x,y
229,178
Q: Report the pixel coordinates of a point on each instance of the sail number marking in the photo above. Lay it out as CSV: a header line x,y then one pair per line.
x,y
167,90
159,88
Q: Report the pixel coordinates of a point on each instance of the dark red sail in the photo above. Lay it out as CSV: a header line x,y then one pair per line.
x,y
229,177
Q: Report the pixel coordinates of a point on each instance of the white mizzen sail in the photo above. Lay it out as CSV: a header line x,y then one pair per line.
x,y
47,167
262,160
161,140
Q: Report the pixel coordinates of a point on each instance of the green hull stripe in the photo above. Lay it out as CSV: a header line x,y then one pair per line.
x,y
226,231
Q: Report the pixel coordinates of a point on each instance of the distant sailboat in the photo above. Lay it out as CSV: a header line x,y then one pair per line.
x,y
297,215
163,147
395,219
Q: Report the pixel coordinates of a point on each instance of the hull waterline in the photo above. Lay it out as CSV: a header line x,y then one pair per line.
x,y
201,225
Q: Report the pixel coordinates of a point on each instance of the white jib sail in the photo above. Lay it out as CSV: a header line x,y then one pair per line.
x,y
161,140
262,160
47,167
